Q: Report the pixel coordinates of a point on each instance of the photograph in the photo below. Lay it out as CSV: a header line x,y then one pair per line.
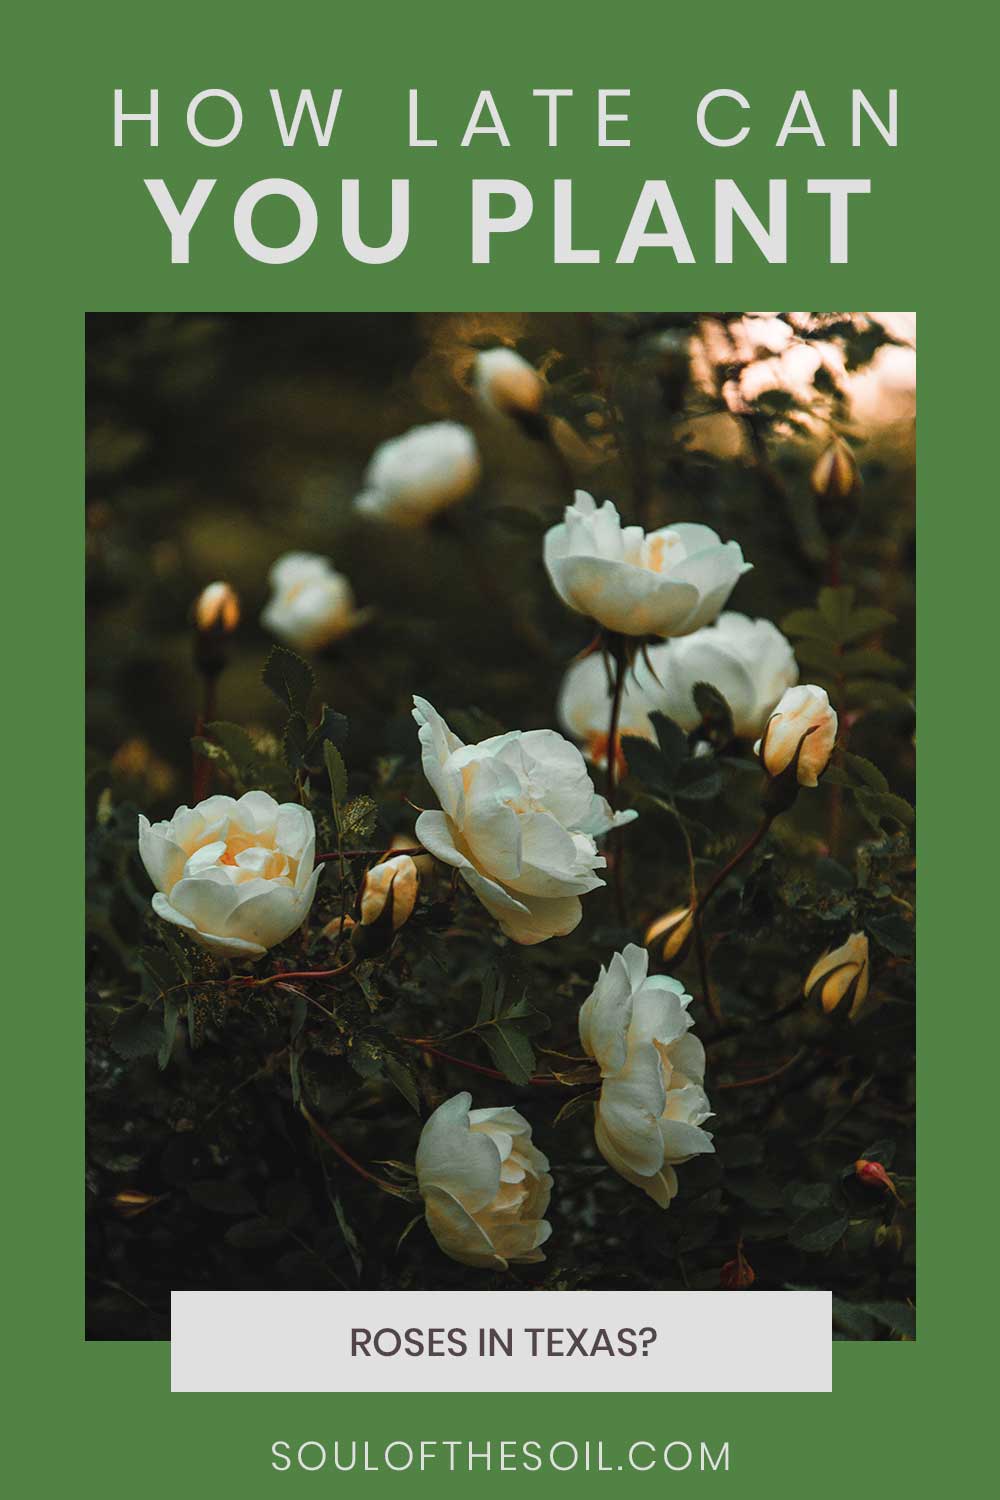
x,y
500,806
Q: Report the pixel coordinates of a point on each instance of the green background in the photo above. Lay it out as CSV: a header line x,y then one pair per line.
x,y
85,236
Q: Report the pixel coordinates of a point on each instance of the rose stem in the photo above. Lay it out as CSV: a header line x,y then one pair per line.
x,y
338,1150
702,903
250,983
619,653
538,1080
202,768
749,1083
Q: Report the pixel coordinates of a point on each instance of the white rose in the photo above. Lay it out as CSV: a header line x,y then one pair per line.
x,y
803,717
652,1105
748,661
506,382
485,1186
411,477
518,820
311,604
584,705
669,582
237,876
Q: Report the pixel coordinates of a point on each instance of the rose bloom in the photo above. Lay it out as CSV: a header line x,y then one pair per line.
x,y
652,1106
394,880
667,582
237,876
518,820
840,973
505,381
801,711
485,1186
410,478
311,604
584,705
748,661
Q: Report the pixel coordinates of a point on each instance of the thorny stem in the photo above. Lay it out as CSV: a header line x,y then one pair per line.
x,y
539,1080
619,652
338,1150
702,903
748,1083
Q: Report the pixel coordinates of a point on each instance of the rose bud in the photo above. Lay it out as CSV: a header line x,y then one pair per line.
x,y
505,382
130,1202
666,582
675,929
840,976
873,1174
485,1186
652,1106
800,734
217,608
237,876
412,477
311,604
392,885
737,1274
836,484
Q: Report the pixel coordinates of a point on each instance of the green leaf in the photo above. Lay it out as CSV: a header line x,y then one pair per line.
x,y
716,715
333,727
895,934
672,742
819,655
871,692
295,742
137,1032
524,1015
898,1316
224,1198
350,1238
866,771
358,819
337,772
810,623
289,678
818,1231
491,997
866,621
171,1015
878,805
511,1051
836,605
401,1076
254,1234
870,661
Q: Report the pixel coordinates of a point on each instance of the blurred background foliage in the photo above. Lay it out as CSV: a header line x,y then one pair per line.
x,y
216,443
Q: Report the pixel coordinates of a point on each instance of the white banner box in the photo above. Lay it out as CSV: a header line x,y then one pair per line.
x,y
501,1341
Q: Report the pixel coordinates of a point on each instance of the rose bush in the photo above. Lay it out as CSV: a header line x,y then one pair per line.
x,y
237,876
485,1186
519,818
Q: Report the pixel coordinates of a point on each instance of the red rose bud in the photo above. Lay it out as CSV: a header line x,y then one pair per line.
x,y
738,1274
873,1174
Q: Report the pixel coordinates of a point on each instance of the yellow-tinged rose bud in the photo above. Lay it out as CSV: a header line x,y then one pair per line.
x,y
505,381
217,608
799,736
841,976
675,930
836,483
394,884
131,1202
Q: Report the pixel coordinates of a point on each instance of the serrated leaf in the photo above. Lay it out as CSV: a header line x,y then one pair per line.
x,y
295,742
511,1051
289,678
399,1074
137,1032
866,621
337,772
672,742
895,935
524,1015
820,656
715,712
870,661
358,819
866,771
836,605
818,1231
332,726
870,692
809,623
878,805
494,984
